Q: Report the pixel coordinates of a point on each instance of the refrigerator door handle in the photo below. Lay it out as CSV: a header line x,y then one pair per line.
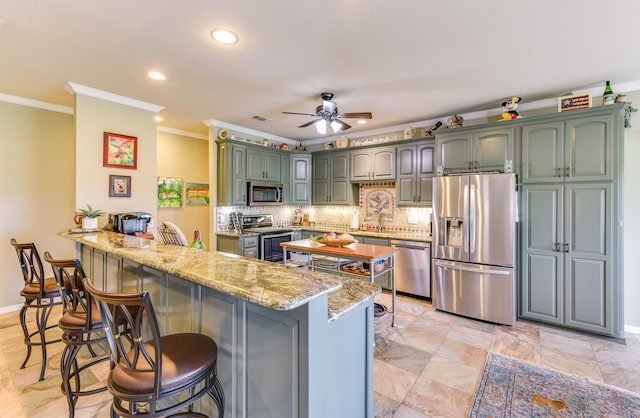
x,y
453,266
465,219
472,218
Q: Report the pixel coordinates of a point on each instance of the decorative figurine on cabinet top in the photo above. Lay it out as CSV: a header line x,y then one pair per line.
x,y
509,109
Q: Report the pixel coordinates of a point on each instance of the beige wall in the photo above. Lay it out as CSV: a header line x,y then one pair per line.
x,y
186,158
93,118
38,170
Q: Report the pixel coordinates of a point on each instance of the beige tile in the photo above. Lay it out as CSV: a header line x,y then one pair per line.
x,y
406,357
578,363
419,338
406,412
462,353
453,374
392,381
435,399
383,406
477,338
520,343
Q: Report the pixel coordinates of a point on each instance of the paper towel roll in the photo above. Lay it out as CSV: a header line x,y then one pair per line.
x,y
355,221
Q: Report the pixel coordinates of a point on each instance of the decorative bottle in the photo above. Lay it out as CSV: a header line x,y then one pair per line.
x,y
197,241
608,96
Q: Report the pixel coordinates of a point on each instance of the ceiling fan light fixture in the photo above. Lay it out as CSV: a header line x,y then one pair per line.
x,y
321,127
335,126
361,122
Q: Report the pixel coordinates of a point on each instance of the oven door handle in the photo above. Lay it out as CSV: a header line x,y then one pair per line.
x,y
284,234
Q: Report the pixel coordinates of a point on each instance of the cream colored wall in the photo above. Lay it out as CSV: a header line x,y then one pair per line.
x,y
186,158
38,168
93,118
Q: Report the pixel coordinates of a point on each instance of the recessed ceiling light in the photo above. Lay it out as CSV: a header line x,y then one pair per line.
x,y
362,122
224,36
156,75
159,119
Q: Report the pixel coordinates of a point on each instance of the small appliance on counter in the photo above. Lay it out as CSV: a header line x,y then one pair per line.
x,y
131,222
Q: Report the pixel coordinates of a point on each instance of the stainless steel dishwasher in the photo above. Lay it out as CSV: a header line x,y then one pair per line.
x,y
413,267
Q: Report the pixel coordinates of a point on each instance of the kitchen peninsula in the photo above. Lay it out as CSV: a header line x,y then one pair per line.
x,y
291,342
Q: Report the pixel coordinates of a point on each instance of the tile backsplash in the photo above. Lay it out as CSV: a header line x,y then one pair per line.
x,y
373,198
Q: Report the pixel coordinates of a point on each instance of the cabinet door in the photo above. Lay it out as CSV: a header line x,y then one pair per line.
x,y
541,289
588,263
383,163
492,148
285,178
542,152
361,165
255,168
272,166
339,183
425,172
589,148
238,175
406,175
454,152
301,180
321,174
340,167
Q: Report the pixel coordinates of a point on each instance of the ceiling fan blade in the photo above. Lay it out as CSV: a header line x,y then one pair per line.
x,y
296,113
309,123
360,115
344,125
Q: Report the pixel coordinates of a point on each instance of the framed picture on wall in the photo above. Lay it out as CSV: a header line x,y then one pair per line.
x,y
120,151
169,192
197,194
119,186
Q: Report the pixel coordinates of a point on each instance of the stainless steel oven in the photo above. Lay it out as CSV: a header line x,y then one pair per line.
x,y
270,249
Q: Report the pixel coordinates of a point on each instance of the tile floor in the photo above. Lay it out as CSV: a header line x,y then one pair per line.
x,y
429,366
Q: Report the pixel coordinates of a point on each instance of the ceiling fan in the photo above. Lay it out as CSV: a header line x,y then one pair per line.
x,y
327,115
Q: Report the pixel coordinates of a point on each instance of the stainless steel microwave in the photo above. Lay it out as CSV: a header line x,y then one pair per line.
x,y
264,194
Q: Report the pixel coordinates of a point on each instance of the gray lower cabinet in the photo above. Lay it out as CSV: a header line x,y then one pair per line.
x,y
331,183
246,246
301,179
373,164
232,172
578,149
568,275
415,171
469,149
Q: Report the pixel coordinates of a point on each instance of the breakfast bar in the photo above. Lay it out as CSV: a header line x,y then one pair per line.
x,y
344,257
291,342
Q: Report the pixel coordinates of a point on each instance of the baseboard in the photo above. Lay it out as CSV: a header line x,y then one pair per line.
x,y
12,308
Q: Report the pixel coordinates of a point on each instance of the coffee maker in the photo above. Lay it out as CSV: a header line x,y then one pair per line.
x,y
130,223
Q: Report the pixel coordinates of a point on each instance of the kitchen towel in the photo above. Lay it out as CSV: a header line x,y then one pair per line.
x,y
355,221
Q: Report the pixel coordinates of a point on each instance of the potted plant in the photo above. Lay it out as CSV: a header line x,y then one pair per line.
x,y
89,217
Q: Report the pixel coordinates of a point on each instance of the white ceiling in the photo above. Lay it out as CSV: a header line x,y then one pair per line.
x,y
402,60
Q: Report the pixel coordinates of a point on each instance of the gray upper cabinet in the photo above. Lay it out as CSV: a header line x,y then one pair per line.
x,y
579,149
369,164
475,150
300,179
415,170
263,164
285,178
231,181
331,184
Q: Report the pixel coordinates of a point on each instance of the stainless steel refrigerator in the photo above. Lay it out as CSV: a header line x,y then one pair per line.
x,y
475,246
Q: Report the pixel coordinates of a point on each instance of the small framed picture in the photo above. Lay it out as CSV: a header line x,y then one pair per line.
x,y
120,151
576,101
119,186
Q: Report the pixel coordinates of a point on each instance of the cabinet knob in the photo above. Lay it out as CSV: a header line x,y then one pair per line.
x,y
558,172
566,247
567,171
556,246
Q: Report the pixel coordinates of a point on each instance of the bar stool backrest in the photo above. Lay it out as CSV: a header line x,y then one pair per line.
x,y
30,265
132,331
171,234
69,275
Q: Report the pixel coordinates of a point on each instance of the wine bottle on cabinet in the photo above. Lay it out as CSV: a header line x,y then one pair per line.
x,y
608,96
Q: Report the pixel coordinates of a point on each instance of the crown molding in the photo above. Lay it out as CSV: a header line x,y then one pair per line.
x,y
241,129
74,88
35,103
180,132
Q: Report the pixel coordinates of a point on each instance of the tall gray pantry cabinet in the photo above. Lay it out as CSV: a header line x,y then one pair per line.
x,y
571,220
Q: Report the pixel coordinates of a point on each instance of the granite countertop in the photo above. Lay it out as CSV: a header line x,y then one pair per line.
x,y
267,284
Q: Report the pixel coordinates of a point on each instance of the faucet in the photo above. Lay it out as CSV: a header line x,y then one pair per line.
x,y
380,216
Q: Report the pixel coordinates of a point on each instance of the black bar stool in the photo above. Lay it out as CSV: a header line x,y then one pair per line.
x,y
39,295
153,375
81,326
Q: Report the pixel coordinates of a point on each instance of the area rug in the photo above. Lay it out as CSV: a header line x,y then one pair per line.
x,y
513,388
